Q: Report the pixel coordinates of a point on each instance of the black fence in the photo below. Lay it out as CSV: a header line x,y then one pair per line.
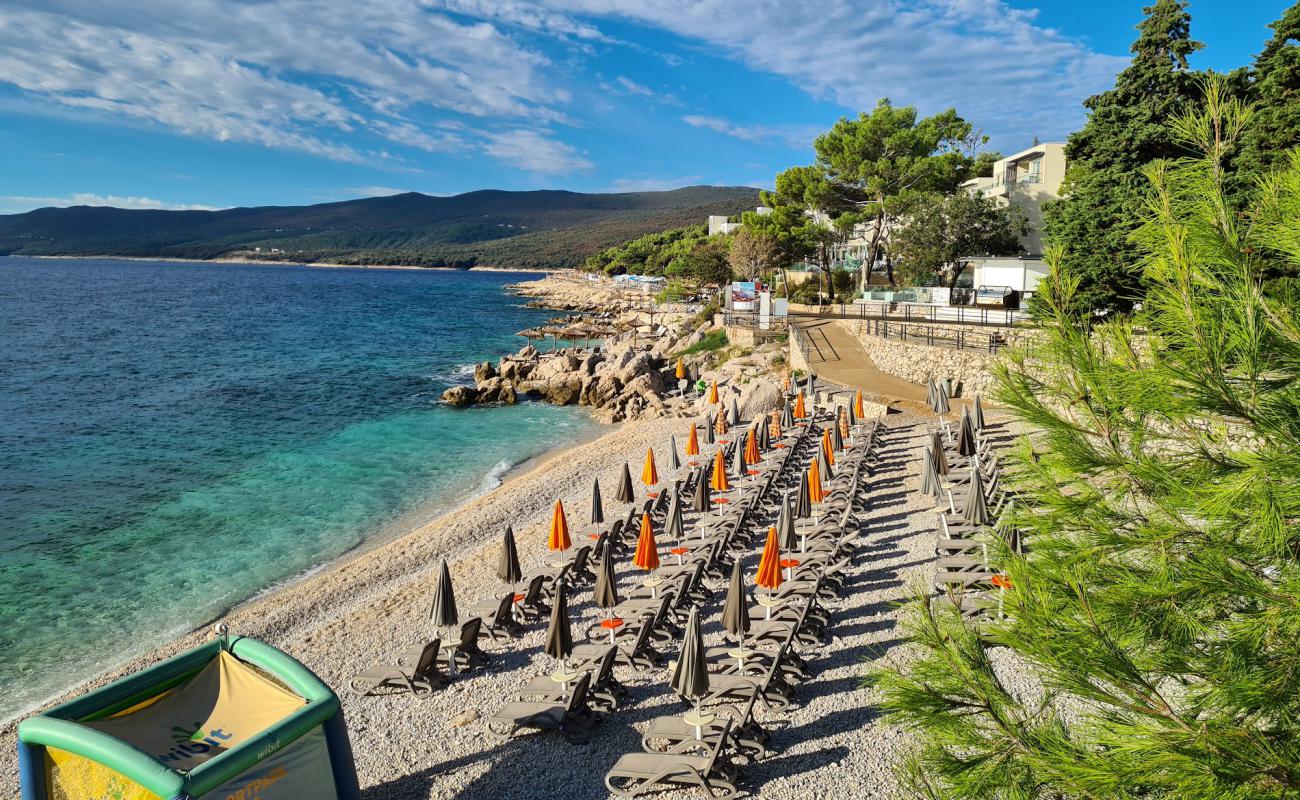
x,y
931,336
922,312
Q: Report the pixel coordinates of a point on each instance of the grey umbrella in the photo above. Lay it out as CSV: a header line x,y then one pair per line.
x,y
764,435
735,612
810,388
938,454
929,392
597,509
703,500
674,463
976,509
979,414
738,465
508,565
708,428
733,414
606,591
785,526
941,405
673,525
802,504
691,674
929,478
825,463
837,438
966,436
853,416
624,493
787,416
443,612
559,638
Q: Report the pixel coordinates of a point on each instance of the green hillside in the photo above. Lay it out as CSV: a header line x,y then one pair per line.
x,y
490,228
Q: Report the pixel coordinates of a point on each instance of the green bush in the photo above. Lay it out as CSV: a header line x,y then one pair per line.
x,y
713,340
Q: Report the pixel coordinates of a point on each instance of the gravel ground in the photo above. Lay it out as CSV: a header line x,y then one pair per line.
x,y
369,609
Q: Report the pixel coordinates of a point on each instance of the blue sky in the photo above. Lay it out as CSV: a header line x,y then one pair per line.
x,y
216,103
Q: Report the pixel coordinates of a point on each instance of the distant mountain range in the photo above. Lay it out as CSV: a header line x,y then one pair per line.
x,y
484,228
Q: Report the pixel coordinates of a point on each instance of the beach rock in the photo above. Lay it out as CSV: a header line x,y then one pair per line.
x,y
460,396
758,397
484,371
496,390
562,391
528,351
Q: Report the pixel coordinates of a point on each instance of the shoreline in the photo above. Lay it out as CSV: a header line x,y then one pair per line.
x,y
311,264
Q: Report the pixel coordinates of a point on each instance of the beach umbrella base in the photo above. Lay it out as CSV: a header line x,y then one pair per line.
x,y
697,719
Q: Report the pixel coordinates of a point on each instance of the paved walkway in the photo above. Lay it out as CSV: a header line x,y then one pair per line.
x,y
840,357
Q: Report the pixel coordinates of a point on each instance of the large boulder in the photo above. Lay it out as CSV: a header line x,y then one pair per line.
x,y
460,396
484,371
759,397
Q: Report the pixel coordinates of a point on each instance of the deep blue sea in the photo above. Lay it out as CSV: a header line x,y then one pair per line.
x,y
175,438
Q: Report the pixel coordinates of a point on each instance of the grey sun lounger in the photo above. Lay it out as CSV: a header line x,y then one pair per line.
x,y
674,735
572,718
605,692
466,650
422,678
638,773
499,617
637,652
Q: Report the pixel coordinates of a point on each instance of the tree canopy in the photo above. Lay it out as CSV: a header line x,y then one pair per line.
x,y
943,231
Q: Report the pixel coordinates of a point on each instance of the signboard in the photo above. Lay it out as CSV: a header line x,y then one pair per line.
x,y
743,296
780,307
764,310
941,295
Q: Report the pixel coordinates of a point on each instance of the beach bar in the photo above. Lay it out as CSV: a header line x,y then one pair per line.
x,y
232,718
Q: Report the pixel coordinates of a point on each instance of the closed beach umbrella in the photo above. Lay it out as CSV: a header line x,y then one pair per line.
x,y
929,392
976,509
674,463
966,435
647,553
824,463
764,434
828,446
811,386
857,406
649,475
816,493
597,508
559,637
508,564
929,478
691,674
673,525
855,415
606,591
559,537
802,503
721,423
734,413
443,612
681,369
703,501
624,493
713,392
837,437
785,525
708,428
752,456
738,458
769,566
787,416
799,411
941,405
692,443
718,481
937,453
979,414
735,611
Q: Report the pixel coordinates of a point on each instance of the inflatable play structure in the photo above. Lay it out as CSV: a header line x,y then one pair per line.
x,y
233,719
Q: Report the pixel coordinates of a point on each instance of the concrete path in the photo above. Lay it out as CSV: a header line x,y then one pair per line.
x,y
839,357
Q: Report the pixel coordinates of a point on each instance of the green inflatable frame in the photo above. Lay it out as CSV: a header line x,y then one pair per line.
x,y
59,727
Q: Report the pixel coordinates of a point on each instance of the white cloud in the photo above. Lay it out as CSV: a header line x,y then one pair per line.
x,y
14,204
990,61
534,151
797,136
654,184
376,191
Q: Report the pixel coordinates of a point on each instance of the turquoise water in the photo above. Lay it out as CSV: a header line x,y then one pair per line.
x,y
175,438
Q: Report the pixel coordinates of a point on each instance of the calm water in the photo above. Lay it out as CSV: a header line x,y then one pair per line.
x,y
175,438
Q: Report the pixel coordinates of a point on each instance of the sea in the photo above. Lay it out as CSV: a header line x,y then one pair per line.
x,y
178,437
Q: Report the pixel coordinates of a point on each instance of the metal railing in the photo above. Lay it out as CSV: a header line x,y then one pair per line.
x,y
923,312
749,319
936,337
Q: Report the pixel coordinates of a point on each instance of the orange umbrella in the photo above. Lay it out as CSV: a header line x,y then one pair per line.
x,y
826,445
713,392
775,429
844,424
787,384
681,369
857,405
649,475
769,566
816,493
647,555
799,411
721,425
559,538
718,482
692,443
751,449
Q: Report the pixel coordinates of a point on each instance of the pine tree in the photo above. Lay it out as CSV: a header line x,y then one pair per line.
x,y
1157,605
1275,89
1127,128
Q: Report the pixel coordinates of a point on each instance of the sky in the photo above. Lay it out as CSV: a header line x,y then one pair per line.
x,y
220,103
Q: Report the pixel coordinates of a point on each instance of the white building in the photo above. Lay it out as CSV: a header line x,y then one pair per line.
x,y
718,222
1027,180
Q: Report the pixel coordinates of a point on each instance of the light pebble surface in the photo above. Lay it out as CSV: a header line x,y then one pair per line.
x,y
368,608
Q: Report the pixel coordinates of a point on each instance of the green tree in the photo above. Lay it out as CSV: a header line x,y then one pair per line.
x,y
1156,605
982,167
1275,90
943,231
1127,128
752,253
707,261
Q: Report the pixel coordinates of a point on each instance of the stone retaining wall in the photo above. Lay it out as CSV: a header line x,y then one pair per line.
x,y
969,369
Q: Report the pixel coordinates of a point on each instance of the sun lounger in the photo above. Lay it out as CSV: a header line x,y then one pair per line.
x,y
422,678
636,652
604,693
499,617
638,773
674,735
573,718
